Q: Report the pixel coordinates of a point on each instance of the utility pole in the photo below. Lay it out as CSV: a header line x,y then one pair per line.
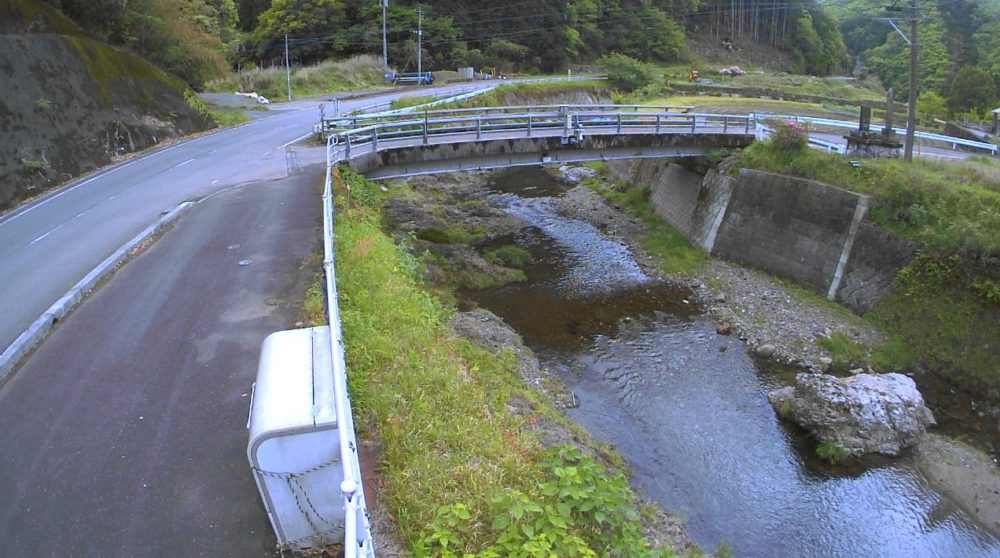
x,y
385,48
288,70
420,42
911,116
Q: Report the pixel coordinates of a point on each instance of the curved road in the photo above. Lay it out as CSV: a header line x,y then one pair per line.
x,y
48,245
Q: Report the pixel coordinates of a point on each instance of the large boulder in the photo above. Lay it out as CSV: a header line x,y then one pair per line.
x,y
866,413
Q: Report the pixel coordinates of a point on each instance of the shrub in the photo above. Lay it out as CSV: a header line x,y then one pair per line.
x,y
627,72
789,134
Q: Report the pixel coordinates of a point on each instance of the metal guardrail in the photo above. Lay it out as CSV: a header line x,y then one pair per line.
x,y
357,530
571,122
955,142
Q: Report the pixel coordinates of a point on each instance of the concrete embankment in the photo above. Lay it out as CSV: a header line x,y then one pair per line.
x,y
812,233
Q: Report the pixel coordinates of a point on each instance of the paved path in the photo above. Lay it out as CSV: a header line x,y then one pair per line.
x,y
124,434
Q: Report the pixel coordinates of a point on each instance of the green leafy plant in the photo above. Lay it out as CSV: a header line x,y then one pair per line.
x,y
578,510
43,104
831,452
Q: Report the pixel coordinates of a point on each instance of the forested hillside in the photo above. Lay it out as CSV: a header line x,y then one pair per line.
x,y
195,38
959,60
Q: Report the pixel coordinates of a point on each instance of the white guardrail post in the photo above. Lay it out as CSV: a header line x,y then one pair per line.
x,y
357,529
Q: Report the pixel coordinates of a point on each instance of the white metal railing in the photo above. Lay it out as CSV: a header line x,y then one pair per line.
x,y
369,134
356,536
953,141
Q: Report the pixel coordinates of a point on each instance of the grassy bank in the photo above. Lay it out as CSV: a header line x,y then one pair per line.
x,y
358,72
464,475
671,252
946,304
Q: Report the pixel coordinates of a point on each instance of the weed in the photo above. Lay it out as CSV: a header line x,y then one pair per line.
x,y
228,117
43,104
411,101
845,352
34,165
314,303
831,452
509,255
452,234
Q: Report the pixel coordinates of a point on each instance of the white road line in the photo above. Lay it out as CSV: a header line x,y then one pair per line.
x,y
184,163
297,140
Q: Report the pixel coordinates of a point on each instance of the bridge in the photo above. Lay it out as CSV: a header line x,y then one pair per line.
x,y
398,145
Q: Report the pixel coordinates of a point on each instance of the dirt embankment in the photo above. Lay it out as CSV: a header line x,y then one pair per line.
x,y
71,103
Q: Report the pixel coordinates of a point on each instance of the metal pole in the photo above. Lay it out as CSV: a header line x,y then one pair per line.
x,y
420,41
288,70
385,47
911,116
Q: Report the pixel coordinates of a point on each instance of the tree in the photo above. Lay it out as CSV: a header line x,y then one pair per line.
x,y
627,72
931,105
972,88
314,24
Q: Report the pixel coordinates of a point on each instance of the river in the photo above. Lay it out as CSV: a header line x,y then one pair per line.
x,y
687,408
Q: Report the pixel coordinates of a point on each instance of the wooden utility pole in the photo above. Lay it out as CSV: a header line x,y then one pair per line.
x,y
911,116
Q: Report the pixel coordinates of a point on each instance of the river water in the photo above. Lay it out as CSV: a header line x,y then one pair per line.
x,y
688,410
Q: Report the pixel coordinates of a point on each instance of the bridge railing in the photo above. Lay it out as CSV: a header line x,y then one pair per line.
x,y
566,121
338,123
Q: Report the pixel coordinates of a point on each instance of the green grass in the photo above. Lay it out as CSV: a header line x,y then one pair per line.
x,y
228,117
357,72
510,255
411,101
666,245
452,234
454,459
831,452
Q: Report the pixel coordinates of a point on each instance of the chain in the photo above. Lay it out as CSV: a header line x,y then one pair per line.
x,y
313,469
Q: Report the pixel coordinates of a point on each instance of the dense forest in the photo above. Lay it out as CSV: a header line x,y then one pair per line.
x,y
196,38
200,39
959,51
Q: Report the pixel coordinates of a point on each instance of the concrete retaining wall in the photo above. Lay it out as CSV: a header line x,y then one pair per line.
x,y
876,258
806,231
786,226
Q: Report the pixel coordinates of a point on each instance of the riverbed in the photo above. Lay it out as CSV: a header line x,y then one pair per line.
x,y
687,408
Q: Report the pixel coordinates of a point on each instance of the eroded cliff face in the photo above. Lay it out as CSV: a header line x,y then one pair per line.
x,y
69,103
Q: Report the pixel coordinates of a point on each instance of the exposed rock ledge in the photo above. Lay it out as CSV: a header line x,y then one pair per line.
x,y
866,413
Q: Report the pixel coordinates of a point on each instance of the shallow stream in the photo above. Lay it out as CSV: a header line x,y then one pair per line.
x,y
688,410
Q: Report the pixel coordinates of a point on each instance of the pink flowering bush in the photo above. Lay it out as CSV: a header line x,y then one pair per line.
x,y
789,134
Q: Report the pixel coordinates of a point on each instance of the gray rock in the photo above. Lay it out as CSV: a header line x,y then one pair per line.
x,y
576,175
765,351
866,413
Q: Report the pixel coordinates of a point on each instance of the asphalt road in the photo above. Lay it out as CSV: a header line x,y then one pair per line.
x,y
50,244
124,435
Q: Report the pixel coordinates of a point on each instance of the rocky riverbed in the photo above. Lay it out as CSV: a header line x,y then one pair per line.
x,y
779,323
